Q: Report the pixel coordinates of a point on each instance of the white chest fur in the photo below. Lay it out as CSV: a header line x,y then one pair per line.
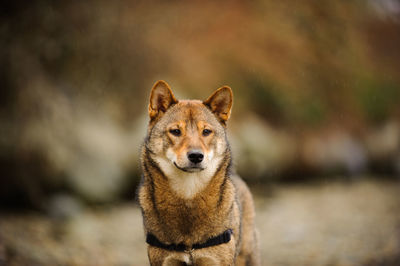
x,y
186,184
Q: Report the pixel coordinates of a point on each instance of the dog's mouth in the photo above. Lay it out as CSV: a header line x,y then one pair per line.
x,y
190,169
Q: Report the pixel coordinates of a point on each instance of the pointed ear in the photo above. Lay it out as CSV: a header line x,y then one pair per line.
x,y
161,98
220,103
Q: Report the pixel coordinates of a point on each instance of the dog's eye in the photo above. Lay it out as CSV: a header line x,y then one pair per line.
x,y
206,132
175,132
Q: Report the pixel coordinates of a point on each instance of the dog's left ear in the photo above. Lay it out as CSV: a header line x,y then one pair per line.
x,y
220,103
161,98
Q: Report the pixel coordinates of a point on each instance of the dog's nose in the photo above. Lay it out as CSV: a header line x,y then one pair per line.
x,y
195,156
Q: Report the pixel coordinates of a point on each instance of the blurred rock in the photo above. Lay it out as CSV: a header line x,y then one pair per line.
x,y
2,254
78,144
397,164
383,146
384,141
95,169
64,206
260,150
335,151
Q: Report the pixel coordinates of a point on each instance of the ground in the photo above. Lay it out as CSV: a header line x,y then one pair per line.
x,y
339,223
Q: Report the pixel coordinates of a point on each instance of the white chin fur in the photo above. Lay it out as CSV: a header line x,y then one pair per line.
x,y
187,184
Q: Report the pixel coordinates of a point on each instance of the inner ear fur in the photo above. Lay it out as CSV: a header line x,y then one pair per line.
x,y
161,98
220,103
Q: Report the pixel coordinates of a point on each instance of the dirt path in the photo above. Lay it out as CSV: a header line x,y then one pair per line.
x,y
331,224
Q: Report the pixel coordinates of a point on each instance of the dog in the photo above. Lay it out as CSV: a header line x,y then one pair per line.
x,y
196,211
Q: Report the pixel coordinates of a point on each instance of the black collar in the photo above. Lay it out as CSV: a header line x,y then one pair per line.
x,y
223,238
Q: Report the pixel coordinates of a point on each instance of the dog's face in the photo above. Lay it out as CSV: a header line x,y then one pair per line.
x,y
187,138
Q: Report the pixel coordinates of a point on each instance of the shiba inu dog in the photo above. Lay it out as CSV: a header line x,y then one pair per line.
x,y
195,210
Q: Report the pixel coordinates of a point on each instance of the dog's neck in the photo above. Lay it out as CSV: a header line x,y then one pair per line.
x,y
177,210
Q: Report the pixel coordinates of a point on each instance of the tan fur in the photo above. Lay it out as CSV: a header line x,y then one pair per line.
x,y
185,204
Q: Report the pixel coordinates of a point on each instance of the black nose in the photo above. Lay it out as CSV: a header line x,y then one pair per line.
x,y
195,156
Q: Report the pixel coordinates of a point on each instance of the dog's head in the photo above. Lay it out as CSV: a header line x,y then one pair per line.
x,y
188,136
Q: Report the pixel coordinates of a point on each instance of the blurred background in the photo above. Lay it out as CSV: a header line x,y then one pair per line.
x,y
315,127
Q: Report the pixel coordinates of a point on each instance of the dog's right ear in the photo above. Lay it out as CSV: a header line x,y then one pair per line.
x,y
161,98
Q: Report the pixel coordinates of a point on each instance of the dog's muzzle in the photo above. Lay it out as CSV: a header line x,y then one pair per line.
x,y
190,169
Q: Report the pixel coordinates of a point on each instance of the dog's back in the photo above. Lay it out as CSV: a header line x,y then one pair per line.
x,y
194,210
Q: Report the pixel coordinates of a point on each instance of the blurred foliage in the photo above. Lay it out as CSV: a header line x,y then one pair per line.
x,y
379,100
75,80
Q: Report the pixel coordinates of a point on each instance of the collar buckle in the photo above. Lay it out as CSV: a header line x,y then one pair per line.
x,y
189,250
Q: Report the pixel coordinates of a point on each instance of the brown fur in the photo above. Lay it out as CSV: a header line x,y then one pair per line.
x,y
192,205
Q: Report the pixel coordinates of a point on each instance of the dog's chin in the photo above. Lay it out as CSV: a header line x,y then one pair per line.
x,y
190,169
